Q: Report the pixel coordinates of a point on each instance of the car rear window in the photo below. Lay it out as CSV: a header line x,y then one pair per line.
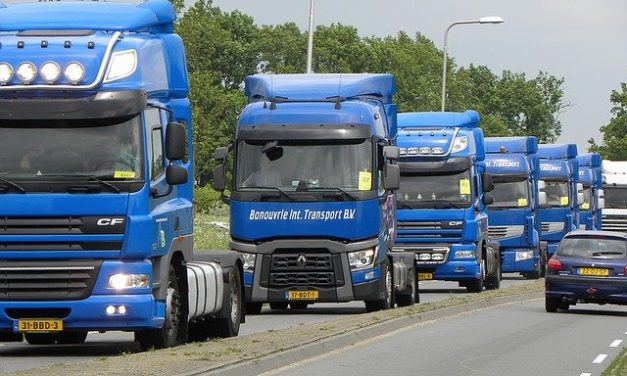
x,y
599,247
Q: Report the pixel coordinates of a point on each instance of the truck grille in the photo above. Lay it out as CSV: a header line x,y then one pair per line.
x,y
552,226
312,268
500,232
614,223
34,233
47,280
428,230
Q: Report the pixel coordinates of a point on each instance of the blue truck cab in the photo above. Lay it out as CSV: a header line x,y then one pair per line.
x,y
560,172
96,211
515,169
441,204
591,177
311,203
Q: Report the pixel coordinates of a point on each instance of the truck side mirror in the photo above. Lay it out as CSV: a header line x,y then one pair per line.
x,y
175,141
487,185
219,178
601,204
392,177
541,185
542,198
175,175
220,154
487,199
391,152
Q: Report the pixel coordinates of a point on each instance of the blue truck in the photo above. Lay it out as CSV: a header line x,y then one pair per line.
x,y
441,203
560,172
96,218
311,203
515,169
591,177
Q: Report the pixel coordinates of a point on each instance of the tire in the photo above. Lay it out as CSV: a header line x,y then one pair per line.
x,y
71,338
476,285
298,305
40,338
226,327
253,308
543,263
564,306
388,299
493,282
410,299
551,304
170,334
278,305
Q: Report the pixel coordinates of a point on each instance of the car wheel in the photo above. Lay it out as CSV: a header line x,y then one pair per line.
x,y
551,304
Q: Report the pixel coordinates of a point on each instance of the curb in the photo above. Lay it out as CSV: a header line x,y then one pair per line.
x,y
307,351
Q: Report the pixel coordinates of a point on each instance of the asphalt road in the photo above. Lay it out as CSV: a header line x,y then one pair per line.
x,y
19,356
516,339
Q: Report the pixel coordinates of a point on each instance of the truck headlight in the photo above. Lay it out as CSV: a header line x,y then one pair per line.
x,y
127,281
362,259
6,73
249,261
460,143
26,72
74,72
464,254
123,64
50,72
523,255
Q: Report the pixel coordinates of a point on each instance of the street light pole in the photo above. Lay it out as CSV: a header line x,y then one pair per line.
x,y
482,20
310,36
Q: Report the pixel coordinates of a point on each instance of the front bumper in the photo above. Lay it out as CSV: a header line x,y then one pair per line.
x,y
142,311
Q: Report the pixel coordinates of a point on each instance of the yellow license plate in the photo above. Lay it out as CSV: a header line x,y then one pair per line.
x,y
303,295
598,272
39,325
425,275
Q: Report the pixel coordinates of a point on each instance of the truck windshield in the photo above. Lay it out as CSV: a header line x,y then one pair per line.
x,y
435,191
615,197
557,193
108,149
587,198
305,166
511,194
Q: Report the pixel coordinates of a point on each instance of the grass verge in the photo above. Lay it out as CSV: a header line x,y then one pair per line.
x,y
619,366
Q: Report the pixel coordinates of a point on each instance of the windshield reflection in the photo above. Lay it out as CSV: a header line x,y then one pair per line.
x,y
510,194
436,191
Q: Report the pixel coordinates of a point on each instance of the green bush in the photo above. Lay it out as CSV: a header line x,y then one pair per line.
x,y
206,200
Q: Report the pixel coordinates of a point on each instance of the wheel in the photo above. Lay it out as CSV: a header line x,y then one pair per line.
x,y
278,305
71,338
228,326
388,299
409,299
564,306
170,334
532,275
493,281
40,338
476,285
543,263
551,304
253,308
298,305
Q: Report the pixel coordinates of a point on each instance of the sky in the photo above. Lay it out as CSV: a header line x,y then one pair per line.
x,y
583,41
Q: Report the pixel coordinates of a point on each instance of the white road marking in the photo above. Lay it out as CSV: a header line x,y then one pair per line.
x,y
599,359
585,374
616,343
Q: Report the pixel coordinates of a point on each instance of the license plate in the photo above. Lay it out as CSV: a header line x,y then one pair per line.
x,y
425,275
39,325
303,295
598,272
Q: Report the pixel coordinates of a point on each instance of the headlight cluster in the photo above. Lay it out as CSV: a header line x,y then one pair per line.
x,y
362,259
249,261
424,150
50,72
523,255
125,281
460,143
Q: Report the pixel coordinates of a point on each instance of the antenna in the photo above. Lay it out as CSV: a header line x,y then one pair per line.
x,y
339,90
272,101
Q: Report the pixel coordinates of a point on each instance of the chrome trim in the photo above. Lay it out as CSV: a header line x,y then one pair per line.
x,y
500,232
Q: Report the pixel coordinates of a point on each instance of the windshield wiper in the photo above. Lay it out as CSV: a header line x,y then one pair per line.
x,y
336,189
442,203
12,184
89,178
282,192
607,253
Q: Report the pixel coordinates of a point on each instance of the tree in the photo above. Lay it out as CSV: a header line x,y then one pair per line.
x,y
614,133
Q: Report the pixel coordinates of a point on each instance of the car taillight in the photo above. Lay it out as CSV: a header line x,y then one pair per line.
x,y
554,264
